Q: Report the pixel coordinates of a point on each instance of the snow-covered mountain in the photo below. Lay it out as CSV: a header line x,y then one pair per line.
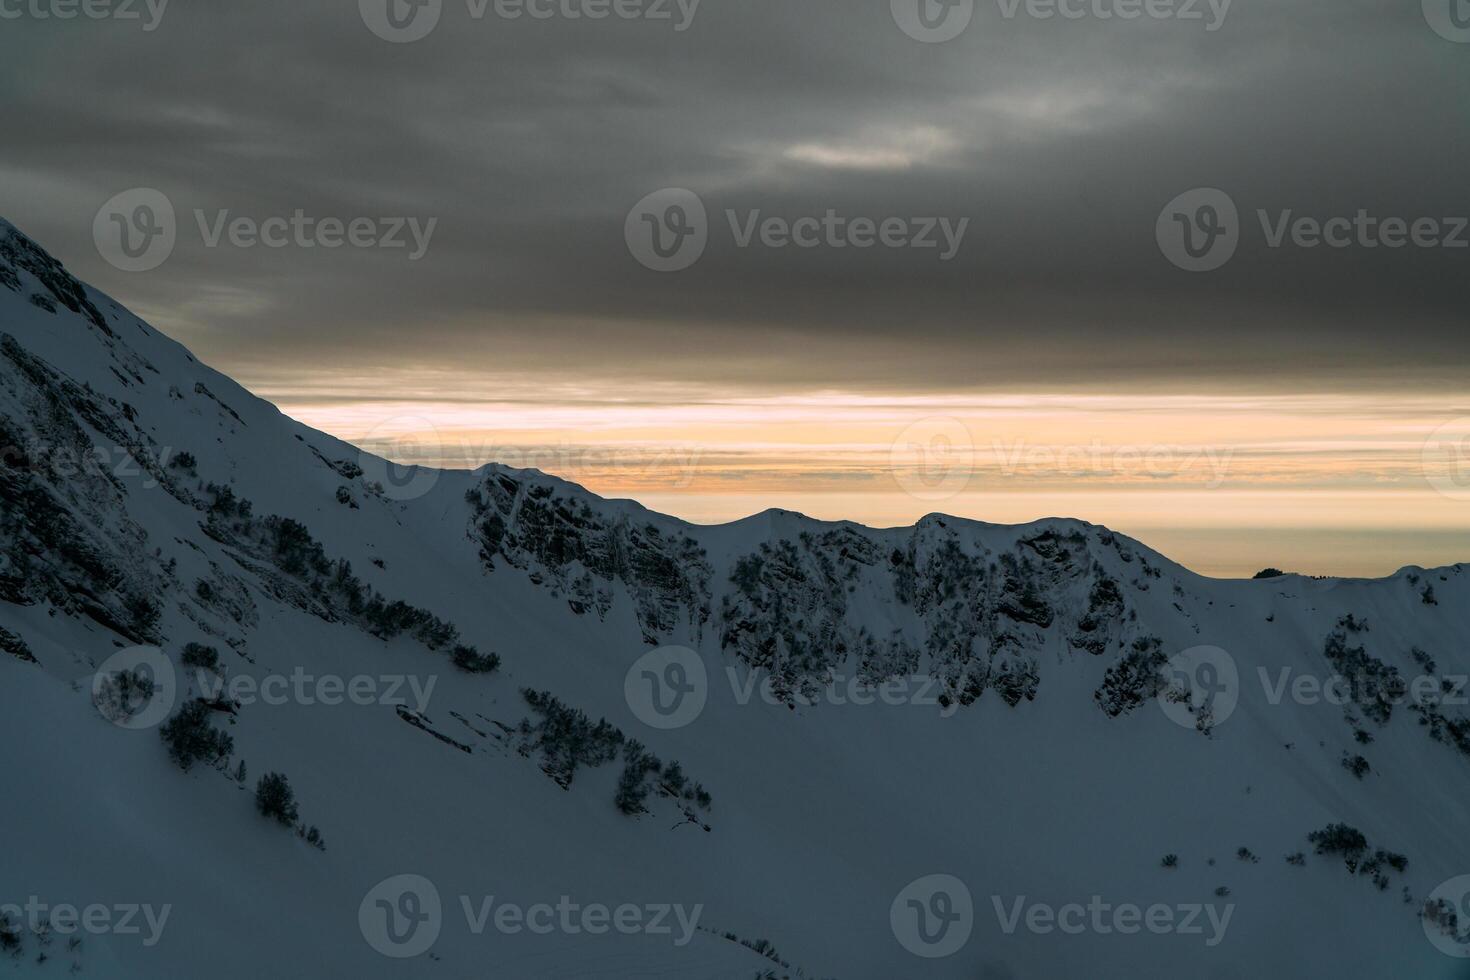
x,y
602,742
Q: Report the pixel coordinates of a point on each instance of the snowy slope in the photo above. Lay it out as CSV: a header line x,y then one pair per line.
x,y
1028,752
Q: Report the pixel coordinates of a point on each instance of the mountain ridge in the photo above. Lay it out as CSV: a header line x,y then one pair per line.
x,y
148,500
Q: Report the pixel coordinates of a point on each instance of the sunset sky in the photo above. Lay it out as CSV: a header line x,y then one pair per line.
x,y
1301,406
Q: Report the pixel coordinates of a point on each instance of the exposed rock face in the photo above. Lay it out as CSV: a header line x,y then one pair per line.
x,y
560,540
66,536
824,601
18,252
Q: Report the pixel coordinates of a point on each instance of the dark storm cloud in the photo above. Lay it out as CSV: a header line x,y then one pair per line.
x,y
529,141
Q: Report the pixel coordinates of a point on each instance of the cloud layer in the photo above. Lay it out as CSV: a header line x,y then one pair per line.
x,y
530,139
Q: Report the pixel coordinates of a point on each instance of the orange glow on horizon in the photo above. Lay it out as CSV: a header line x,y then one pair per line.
x,y
1160,467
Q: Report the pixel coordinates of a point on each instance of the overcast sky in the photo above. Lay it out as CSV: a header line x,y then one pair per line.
x,y
530,140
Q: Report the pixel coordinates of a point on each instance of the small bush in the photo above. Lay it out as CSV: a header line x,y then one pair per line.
x,y
1170,861
1270,573
1340,839
199,655
1442,915
1297,860
275,798
122,695
472,661
1244,854
633,785
191,738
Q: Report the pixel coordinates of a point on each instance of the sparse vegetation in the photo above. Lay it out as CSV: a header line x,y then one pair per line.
x,y
1350,844
1442,914
191,738
330,584
1134,679
1340,839
472,661
274,798
199,655
121,695
15,646
644,773
1374,685
566,740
